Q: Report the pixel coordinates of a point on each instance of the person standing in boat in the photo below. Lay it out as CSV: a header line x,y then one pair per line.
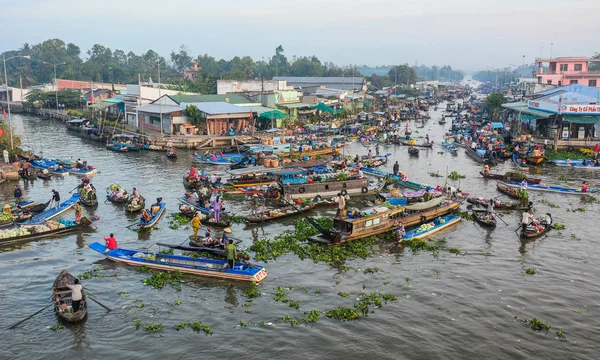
x,y
524,197
77,212
196,224
396,168
486,170
341,200
490,208
427,139
225,238
18,195
231,254
411,142
76,295
217,205
55,198
584,187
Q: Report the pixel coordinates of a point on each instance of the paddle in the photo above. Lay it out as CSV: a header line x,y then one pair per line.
x,y
134,224
99,303
30,316
73,189
498,217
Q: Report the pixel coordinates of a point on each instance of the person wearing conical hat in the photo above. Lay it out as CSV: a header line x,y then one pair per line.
x,y
225,238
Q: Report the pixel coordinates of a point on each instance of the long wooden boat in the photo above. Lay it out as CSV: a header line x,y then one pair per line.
x,y
60,172
171,154
413,151
88,198
26,204
315,152
138,206
586,165
379,219
482,217
83,172
520,164
113,189
189,265
61,298
566,162
396,178
44,174
55,211
189,210
481,159
329,188
508,178
498,204
535,160
269,215
537,228
550,188
154,216
407,143
32,232
198,247
429,229
511,191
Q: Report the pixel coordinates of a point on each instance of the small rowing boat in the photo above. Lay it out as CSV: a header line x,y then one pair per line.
x,y
268,215
407,143
510,176
83,172
117,194
198,247
537,227
156,211
55,211
483,217
185,264
431,228
521,164
413,151
396,178
88,198
44,174
135,205
514,192
189,210
62,300
550,188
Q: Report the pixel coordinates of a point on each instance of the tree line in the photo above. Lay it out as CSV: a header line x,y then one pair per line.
x,y
102,64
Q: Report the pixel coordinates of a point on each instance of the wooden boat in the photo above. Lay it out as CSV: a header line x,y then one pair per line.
x,y
55,211
413,151
26,204
197,246
508,177
520,163
379,219
189,265
269,215
407,143
38,208
112,196
132,208
32,232
566,162
537,227
252,177
171,154
396,178
83,172
471,153
535,160
32,175
513,192
88,198
60,172
189,210
329,188
315,152
549,188
44,174
61,298
442,121
498,204
587,164
155,216
429,229
481,216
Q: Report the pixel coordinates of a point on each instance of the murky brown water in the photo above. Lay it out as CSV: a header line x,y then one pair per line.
x,y
449,307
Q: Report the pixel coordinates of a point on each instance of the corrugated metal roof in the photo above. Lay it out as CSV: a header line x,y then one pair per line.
x,y
294,105
258,109
315,80
156,109
229,98
516,106
214,108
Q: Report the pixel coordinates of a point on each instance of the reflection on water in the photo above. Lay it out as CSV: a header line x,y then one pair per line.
x,y
446,302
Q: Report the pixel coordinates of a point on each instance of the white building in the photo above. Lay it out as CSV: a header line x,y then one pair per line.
x,y
250,86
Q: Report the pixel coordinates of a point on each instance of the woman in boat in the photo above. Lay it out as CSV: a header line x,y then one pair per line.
x,y
225,238
584,187
76,295
77,212
145,217
427,195
196,224
217,206
155,208
490,208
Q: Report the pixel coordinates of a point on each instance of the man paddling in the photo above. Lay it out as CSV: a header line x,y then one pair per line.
x,y
396,168
55,198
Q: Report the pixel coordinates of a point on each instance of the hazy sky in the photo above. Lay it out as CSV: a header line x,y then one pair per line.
x,y
466,34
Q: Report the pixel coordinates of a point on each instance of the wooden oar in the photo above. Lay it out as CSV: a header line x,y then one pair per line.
x,y
30,316
73,189
497,216
99,303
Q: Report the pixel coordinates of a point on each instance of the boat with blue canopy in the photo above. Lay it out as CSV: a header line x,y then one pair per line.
x,y
549,188
189,265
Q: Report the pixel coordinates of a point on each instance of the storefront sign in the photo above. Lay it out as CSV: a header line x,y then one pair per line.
x,y
542,105
580,109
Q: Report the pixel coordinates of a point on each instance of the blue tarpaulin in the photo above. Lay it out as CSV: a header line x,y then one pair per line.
x,y
497,125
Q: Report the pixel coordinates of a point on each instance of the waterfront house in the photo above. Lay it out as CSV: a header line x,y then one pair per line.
x,y
563,71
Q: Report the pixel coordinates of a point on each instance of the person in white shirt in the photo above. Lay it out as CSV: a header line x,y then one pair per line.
x,y
76,295
527,218
213,179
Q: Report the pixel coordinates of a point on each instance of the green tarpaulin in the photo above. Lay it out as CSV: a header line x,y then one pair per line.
x,y
582,119
274,114
323,107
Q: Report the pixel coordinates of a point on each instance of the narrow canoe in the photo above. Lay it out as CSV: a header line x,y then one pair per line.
x,y
61,298
83,172
396,178
549,188
83,223
190,210
406,143
533,231
508,178
154,218
277,214
132,208
511,191
519,163
498,204
439,224
189,265
483,217
55,211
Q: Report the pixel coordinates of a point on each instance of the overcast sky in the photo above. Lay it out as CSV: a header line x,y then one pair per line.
x,y
466,34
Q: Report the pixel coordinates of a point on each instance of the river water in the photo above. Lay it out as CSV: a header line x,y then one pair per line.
x,y
449,307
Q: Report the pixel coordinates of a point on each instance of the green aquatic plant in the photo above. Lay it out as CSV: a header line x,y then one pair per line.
x,y
180,326
313,316
169,251
177,220
196,326
243,323
207,330
91,274
535,324
455,176
137,323
578,210
57,327
590,199
252,291
342,313
343,294
549,204
530,271
122,293
160,279
560,335
154,328
466,215
371,270
234,218
435,174
558,226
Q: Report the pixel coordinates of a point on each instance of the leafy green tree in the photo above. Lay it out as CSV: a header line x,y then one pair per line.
x,y
181,59
493,103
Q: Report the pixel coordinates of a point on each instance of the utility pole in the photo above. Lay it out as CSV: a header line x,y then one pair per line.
x,y
160,101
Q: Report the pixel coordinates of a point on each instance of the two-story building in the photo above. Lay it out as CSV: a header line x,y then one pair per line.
x,y
562,71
